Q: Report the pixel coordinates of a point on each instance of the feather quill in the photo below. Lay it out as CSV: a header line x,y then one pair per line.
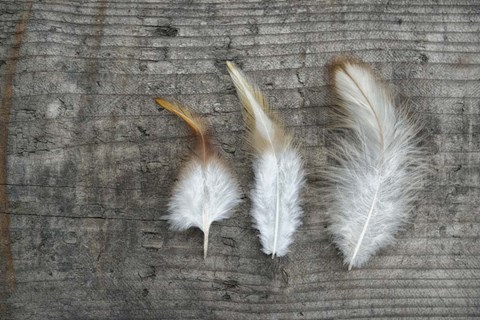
x,y
278,168
378,167
206,190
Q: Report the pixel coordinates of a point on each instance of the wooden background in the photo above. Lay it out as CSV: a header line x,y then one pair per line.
x,y
88,161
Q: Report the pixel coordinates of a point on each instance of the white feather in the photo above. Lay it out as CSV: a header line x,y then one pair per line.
x,y
379,167
278,168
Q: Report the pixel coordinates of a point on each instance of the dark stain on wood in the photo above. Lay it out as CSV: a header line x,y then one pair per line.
x,y
91,68
165,31
5,245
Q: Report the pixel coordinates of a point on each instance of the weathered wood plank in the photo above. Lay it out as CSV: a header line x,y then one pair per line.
x,y
91,160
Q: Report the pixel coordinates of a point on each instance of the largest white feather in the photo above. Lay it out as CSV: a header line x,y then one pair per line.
x,y
278,168
378,165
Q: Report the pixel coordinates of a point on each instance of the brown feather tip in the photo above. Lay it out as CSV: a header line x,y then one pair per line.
x,y
183,113
205,149
339,63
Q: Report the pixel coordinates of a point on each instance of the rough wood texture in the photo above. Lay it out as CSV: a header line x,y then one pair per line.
x,y
90,159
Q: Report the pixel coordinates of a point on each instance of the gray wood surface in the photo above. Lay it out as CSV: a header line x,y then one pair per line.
x,y
90,160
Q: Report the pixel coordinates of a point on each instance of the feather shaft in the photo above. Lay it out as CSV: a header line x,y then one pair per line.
x,y
205,241
364,230
277,215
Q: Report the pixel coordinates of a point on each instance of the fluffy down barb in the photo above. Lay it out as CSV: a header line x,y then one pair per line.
x,y
279,174
204,194
378,165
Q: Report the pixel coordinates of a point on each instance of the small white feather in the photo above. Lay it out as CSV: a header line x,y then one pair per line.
x,y
378,169
279,174
206,191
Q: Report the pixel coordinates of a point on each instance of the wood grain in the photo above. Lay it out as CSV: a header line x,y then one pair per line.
x,y
91,160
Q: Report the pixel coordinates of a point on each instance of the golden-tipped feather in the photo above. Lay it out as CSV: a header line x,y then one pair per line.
x,y
206,191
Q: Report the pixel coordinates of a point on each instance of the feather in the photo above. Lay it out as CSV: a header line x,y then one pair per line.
x,y
378,168
278,168
206,190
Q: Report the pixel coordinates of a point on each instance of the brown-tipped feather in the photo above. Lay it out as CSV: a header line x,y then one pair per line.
x,y
192,121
